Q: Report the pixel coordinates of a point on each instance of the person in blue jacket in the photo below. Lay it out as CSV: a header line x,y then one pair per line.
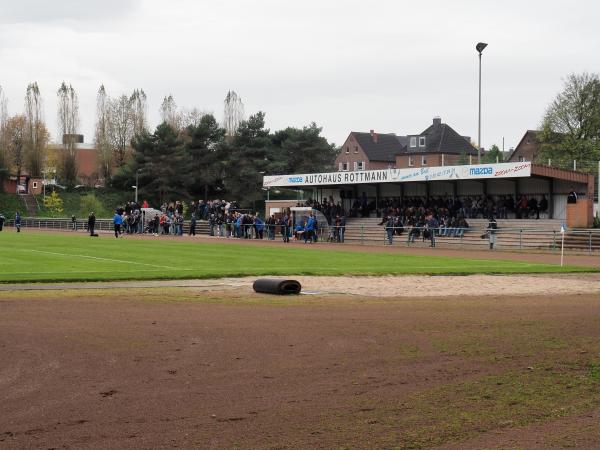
x,y
117,221
238,226
309,229
259,227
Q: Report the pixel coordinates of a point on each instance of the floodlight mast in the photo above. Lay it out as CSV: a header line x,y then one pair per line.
x,y
479,47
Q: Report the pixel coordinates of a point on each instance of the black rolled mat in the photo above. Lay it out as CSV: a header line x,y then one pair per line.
x,y
279,287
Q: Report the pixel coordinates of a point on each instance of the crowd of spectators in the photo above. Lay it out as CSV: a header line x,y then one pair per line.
x,y
419,216
470,207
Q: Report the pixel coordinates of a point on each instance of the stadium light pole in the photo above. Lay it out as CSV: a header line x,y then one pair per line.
x,y
137,177
479,47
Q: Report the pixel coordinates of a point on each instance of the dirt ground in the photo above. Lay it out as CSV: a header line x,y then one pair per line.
x,y
213,365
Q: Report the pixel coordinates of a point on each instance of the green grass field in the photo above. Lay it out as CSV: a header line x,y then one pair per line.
x,y
33,257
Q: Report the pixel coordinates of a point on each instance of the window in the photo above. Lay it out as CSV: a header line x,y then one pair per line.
x,y
423,160
356,149
347,149
35,185
361,165
422,141
413,141
411,161
345,167
521,158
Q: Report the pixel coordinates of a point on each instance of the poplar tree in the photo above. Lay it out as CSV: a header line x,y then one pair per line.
x,y
102,134
4,159
233,113
36,136
68,122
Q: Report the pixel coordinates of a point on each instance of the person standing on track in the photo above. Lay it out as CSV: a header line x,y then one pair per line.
x,y
492,229
91,223
18,222
192,231
117,221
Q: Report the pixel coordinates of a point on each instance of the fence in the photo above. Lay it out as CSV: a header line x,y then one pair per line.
x,y
505,238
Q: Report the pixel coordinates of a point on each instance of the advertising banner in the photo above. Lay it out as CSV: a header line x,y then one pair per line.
x,y
440,173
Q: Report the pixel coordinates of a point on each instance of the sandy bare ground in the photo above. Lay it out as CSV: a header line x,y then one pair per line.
x,y
384,286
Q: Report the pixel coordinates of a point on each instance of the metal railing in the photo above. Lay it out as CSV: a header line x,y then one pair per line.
x,y
508,238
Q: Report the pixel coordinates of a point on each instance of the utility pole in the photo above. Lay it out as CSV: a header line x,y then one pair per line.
x,y
479,47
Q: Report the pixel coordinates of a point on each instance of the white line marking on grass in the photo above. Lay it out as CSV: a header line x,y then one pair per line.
x,y
104,259
71,272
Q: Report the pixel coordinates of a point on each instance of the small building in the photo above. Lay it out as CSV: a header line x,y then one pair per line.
x,y
527,149
23,184
437,145
369,151
86,158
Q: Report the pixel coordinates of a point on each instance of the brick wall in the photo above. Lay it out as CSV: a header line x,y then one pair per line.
x,y
527,149
431,160
351,153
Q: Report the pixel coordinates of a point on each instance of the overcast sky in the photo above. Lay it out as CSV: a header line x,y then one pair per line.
x,y
350,65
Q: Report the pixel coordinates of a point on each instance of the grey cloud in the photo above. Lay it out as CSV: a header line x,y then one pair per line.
x,y
45,11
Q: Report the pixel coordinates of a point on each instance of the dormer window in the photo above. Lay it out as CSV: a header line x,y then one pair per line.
x,y
413,141
422,141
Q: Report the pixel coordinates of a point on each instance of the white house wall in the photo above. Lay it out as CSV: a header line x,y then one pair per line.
x,y
560,206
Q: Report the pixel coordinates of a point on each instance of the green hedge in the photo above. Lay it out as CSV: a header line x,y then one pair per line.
x,y
102,201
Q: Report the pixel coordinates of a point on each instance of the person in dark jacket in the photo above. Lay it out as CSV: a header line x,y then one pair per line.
x,y
491,230
543,206
2,219
389,222
270,224
91,223
18,221
192,231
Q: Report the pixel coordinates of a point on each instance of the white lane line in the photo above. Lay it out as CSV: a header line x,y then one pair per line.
x,y
71,272
69,255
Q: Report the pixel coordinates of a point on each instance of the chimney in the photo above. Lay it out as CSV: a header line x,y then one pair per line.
x,y
372,132
437,121
375,137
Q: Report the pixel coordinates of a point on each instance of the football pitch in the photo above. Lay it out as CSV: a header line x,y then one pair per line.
x,y
30,257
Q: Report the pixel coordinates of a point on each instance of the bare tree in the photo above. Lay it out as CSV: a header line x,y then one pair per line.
x,y
121,127
68,123
3,137
36,136
139,110
16,138
233,113
191,117
169,113
102,134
